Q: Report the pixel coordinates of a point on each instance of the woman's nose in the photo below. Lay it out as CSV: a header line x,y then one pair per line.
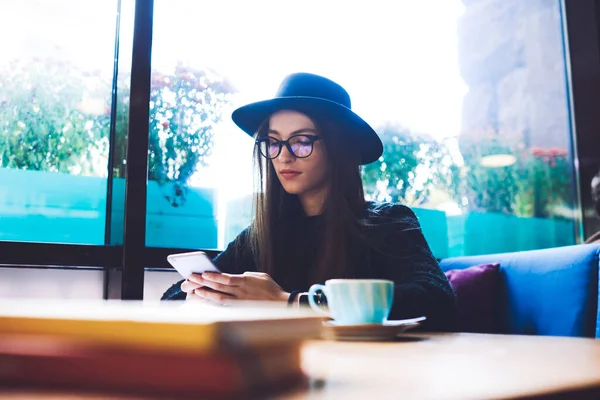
x,y
286,155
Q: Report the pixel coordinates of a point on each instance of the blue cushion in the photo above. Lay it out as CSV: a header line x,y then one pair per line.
x,y
545,292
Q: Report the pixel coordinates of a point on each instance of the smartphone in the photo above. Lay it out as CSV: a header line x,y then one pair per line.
x,y
195,262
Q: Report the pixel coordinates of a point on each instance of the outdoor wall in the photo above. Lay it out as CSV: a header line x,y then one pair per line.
x,y
511,59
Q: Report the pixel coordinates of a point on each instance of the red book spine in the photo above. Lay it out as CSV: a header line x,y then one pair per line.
x,y
163,374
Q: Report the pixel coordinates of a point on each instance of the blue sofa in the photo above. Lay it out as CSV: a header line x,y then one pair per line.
x,y
545,292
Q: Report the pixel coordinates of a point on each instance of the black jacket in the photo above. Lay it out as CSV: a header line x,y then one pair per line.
x,y
396,250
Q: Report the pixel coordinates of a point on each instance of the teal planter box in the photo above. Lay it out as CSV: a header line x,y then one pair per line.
x,y
192,224
62,208
435,229
238,216
51,207
489,233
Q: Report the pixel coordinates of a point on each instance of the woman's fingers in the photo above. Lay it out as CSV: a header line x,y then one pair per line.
x,y
231,290
188,286
223,279
196,297
196,278
215,297
192,296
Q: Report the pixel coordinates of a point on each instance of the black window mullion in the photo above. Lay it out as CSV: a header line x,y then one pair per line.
x,y
131,276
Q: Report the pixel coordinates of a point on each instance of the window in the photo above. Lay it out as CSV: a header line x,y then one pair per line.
x,y
473,113
51,283
470,98
56,73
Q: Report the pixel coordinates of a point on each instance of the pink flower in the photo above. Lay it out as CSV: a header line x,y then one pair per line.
x,y
556,152
538,152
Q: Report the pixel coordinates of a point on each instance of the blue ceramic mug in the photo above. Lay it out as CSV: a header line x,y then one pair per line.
x,y
355,301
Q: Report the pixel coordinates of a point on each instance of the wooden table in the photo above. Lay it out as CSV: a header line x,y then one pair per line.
x,y
440,367
454,366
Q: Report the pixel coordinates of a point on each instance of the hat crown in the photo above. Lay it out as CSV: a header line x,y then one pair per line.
x,y
309,85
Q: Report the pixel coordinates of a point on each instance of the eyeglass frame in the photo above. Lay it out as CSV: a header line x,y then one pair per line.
x,y
286,143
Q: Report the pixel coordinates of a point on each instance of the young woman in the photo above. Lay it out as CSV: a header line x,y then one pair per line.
x,y
311,220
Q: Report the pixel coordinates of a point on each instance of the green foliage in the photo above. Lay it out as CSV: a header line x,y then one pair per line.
x,y
545,183
490,188
43,122
409,169
537,184
54,117
185,107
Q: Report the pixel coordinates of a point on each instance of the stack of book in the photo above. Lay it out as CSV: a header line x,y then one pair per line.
x,y
162,349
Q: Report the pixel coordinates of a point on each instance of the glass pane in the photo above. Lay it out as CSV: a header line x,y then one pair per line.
x,y
157,282
56,73
33,283
471,103
116,183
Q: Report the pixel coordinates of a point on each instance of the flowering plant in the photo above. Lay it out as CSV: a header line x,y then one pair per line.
x,y
546,182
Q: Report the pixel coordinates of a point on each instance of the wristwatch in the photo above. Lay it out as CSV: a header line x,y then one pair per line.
x,y
303,299
319,299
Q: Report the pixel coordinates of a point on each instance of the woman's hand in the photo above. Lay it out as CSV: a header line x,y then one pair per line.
x,y
189,288
227,287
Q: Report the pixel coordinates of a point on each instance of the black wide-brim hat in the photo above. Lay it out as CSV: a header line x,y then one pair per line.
x,y
314,95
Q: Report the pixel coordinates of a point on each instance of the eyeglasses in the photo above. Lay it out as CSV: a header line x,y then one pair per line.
x,y
301,146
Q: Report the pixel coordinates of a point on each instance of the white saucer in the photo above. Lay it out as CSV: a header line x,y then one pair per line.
x,y
369,332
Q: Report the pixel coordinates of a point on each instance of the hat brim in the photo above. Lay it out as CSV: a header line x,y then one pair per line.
x,y
369,146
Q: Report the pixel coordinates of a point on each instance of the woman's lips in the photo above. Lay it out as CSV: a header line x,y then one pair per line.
x,y
289,174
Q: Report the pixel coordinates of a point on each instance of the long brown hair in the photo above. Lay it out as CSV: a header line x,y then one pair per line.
x,y
275,209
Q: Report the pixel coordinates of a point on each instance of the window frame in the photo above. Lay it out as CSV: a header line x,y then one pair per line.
x,y
124,265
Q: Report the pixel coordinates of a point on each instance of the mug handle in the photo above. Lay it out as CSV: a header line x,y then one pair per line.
x,y
311,298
